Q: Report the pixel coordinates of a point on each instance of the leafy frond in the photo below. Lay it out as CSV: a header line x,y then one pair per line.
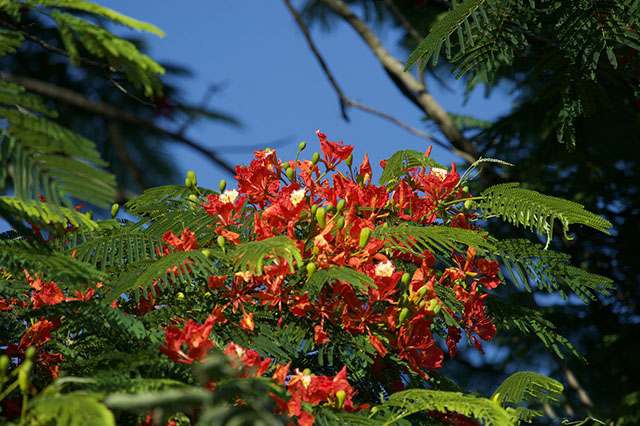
x,y
72,409
9,41
37,212
528,386
337,273
414,401
465,14
14,94
252,254
100,11
121,54
400,162
528,321
538,212
436,239
549,270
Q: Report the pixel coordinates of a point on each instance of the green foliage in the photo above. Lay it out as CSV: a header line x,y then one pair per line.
x,y
252,255
72,409
527,386
400,162
524,207
317,281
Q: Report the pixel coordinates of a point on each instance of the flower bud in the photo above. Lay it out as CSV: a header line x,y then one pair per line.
x,y
434,306
207,253
365,236
349,160
340,223
4,366
188,183
314,209
192,175
341,396
24,375
406,278
321,217
223,185
468,204
193,201
311,268
302,146
340,205
465,190
315,158
114,210
286,165
423,291
422,304
221,241
180,295
30,353
290,174
402,315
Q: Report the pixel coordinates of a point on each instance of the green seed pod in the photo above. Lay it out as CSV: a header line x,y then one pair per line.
x,y
365,236
314,209
315,158
207,253
349,160
90,214
341,396
188,183
221,241
114,210
4,366
406,278
24,375
341,205
321,217
302,146
290,174
223,185
192,175
403,315
468,204
30,353
340,222
311,268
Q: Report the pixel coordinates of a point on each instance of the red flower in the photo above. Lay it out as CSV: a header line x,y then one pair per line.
x,y
334,152
194,335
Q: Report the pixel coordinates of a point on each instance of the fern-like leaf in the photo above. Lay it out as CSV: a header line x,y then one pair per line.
x,y
254,253
536,211
72,409
337,273
43,214
400,162
528,386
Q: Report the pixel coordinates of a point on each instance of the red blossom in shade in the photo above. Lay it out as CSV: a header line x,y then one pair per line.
x,y
186,241
334,152
194,335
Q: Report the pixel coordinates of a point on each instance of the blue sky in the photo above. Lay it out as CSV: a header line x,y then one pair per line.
x,y
274,85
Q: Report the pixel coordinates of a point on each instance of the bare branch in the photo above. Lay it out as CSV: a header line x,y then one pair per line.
x,y
406,82
109,112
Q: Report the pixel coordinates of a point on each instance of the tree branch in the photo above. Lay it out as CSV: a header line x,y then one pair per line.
x,y
406,82
346,101
109,112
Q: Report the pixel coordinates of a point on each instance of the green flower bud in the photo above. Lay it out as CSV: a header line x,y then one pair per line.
x,y
24,375
90,214
465,190
192,175
341,205
114,210
340,222
302,146
365,236
403,315
30,353
315,158
311,268
4,366
286,165
193,201
422,304
221,241
207,253
468,204
422,292
341,396
223,185
180,295
434,306
188,183
406,278
349,160
290,174
331,209
314,209
321,217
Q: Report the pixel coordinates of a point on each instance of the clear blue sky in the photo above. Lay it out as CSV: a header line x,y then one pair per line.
x,y
274,85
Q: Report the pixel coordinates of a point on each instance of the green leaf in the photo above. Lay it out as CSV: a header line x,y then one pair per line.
x,y
73,409
400,162
252,255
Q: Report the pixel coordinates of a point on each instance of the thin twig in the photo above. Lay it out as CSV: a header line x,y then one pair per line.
x,y
110,113
126,92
